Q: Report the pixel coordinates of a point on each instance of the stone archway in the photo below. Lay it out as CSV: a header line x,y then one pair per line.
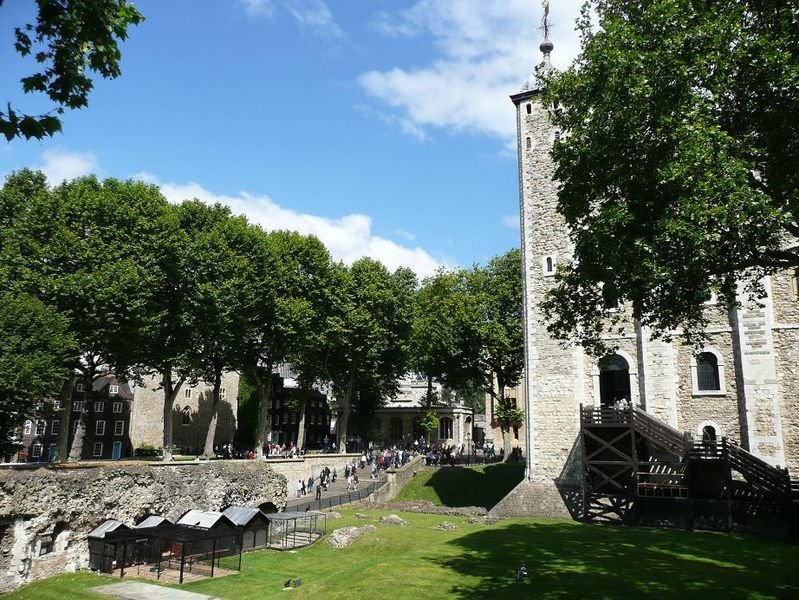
x,y
614,380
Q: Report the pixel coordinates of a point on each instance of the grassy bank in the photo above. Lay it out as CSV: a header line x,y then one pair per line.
x,y
565,560
459,486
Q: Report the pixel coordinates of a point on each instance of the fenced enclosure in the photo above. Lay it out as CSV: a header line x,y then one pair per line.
x,y
289,530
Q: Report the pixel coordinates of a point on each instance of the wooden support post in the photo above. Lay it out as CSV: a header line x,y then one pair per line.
x,y
725,457
122,568
182,560
213,556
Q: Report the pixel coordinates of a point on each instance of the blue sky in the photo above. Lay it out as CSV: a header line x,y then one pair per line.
x,y
382,126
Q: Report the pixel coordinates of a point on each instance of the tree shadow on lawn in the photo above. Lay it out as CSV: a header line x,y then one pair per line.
x,y
464,486
567,560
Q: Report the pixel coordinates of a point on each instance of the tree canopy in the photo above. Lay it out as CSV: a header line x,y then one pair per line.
x,y
70,40
677,160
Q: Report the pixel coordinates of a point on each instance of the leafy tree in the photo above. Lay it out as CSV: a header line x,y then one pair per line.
x,y
495,339
436,346
677,162
223,251
428,422
70,40
289,283
35,346
366,338
83,249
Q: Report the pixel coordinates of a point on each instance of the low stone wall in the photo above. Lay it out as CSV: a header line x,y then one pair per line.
x,y
65,504
396,480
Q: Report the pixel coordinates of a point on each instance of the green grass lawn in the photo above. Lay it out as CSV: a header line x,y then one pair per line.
x,y
458,486
565,560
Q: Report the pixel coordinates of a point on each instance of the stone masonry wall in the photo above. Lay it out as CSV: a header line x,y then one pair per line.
x,y
68,503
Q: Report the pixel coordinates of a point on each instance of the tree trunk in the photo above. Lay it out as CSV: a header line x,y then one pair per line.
x,y
504,425
170,393
429,392
264,395
65,397
301,426
209,438
76,449
344,411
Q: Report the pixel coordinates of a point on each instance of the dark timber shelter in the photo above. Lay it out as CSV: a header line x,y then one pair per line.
x,y
177,552
640,470
102,556
289,530
253,522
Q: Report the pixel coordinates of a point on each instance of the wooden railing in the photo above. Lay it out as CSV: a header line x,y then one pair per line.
x,y
665,436
756,471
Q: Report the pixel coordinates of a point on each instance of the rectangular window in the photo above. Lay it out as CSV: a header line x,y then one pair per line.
x,y
117,407
99,428
56,404
99,406
113,389
28,428
223,394
37,450
41,427
119,427
77,405
54,427
79,386
187,393
98,449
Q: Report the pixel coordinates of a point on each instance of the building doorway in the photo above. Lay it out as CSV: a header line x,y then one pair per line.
x,y
116,451
614,380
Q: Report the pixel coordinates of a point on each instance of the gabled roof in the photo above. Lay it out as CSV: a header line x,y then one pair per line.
x,y
152,521
109,525
205,519
241,515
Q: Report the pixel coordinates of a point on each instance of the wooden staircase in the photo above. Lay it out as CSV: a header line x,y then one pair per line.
x,y
639,469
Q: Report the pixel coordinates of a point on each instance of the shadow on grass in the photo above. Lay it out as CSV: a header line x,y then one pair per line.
x,y
588,561
464,486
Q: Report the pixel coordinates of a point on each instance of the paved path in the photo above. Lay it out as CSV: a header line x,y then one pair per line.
x,y
337,493
136,590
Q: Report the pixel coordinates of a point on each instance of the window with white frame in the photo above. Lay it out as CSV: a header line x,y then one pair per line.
x,y
223,394
41,427
77,405
36,451
187,393
119,427
99,406
117,407
113,389
707,373
79,386
56,404
445,428
98,450
99,428
26,430
54,426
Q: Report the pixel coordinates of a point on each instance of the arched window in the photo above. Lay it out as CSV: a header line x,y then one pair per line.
x,y
708,434
445,428
185,416
528,144
395,428
549,265
707,373
529,108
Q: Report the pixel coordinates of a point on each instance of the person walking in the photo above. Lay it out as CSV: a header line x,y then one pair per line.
x,y
319,492
299,488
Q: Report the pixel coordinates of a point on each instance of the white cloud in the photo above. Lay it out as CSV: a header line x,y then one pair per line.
x,y
60,164
258,8
347,238
312,15
315,16
486,50
510,221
